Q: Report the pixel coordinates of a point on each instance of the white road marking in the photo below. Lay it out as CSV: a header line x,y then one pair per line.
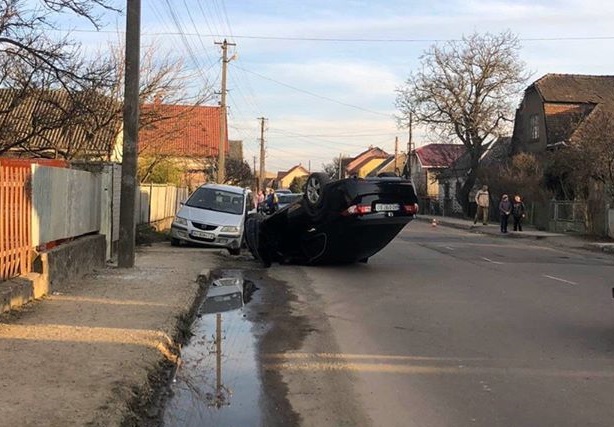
x,y
450,248
490,260
560,280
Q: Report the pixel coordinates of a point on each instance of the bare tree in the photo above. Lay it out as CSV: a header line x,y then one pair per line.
x,y
238,173
466,89
167,104
35,68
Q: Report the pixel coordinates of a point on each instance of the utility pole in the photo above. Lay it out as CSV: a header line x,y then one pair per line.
x,y
396,154
127,230
221,155
262,177
339,165
407,169
256,186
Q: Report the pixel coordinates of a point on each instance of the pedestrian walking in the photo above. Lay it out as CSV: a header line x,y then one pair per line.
x,y
482,198
505,209
518,212
272,202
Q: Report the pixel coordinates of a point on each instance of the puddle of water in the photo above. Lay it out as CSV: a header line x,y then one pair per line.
x,y
217,383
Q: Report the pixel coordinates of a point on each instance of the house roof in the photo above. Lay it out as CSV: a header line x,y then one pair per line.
x,y
498,151
281,175
388,165
364,157
82,123
181,130
439,155
575,88
569,100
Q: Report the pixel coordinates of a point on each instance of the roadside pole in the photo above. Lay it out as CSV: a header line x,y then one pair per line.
x,y
127,229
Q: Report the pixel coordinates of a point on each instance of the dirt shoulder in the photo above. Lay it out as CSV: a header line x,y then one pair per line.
x,y
81,355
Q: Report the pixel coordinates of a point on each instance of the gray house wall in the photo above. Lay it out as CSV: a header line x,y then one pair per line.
x,y
522,140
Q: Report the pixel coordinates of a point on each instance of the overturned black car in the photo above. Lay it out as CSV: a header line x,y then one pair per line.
x,y
341,221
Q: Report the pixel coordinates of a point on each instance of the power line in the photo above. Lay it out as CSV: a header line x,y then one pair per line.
x,y
341,40
314,94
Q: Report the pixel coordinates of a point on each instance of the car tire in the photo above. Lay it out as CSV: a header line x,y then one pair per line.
x,y
364,260
175,241
314,189
314,198
234,251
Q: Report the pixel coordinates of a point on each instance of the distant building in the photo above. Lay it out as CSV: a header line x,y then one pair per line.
x,y
56,124
363,164
556,107
284,179
189,135
428,162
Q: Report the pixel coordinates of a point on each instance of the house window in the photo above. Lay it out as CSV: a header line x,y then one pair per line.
x,y
534,123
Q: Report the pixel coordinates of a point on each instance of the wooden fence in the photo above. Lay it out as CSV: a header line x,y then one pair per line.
x,y
15,204
16,214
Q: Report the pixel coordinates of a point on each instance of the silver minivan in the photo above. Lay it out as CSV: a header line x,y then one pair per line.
x,y
213,215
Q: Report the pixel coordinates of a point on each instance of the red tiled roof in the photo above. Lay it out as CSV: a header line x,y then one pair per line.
x,y
439,155
181,130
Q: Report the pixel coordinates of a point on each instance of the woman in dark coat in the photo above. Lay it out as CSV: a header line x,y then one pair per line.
x,y
505,209
518,212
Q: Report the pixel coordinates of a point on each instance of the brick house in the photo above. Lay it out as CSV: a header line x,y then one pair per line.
x,y
554,108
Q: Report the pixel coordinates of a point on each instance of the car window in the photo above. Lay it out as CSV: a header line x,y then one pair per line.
x,y
216,200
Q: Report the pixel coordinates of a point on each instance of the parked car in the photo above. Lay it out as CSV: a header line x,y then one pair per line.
x,y
285,199
340,221
213,215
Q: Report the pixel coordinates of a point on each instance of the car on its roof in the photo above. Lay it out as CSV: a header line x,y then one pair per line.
x,y
213,215
340,221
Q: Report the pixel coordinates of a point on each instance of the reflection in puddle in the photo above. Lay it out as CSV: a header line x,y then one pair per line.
x,y
217,383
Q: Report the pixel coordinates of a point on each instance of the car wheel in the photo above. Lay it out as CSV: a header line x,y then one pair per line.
x,y
234,251
314,189
175,241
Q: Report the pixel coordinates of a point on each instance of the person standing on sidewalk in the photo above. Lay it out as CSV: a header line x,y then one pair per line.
x,y
482,198
518,212
505,209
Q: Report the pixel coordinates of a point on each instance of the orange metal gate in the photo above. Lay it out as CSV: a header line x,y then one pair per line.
x,y
15,214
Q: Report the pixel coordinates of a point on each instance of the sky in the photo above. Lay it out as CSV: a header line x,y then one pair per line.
x,y
324,74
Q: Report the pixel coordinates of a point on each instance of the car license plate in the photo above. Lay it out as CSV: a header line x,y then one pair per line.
x,y
387,207
203,235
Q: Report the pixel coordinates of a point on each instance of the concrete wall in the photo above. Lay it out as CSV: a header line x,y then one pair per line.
x,y
52,269
65,203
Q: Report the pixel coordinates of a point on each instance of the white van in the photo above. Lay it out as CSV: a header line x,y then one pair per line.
x,y
213,215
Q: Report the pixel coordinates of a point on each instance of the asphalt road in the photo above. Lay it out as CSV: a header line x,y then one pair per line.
x,y
450,328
